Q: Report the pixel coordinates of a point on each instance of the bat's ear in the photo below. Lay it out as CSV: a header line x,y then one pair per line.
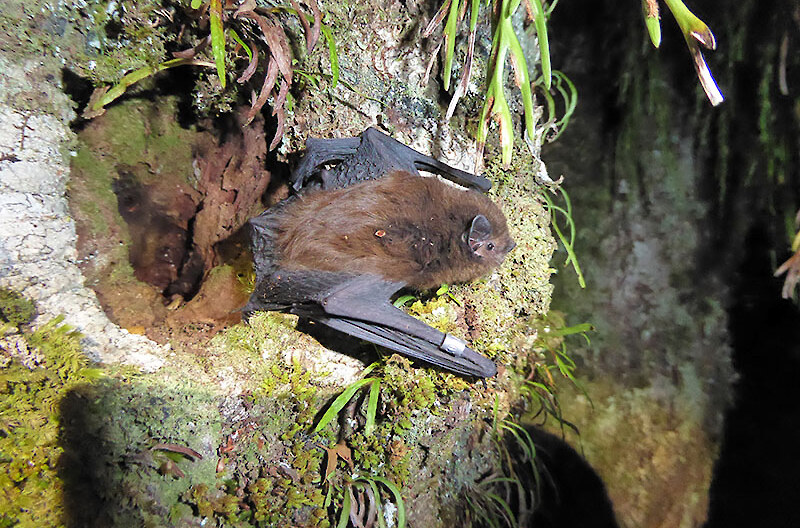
x,y
479,232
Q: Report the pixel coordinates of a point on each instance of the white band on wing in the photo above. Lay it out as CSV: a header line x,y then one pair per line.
x,y
453,345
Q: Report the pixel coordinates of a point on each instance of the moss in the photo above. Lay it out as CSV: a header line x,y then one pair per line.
x,y
15,308
413,401
95,173
81,448
135,37
138,144
264,332
108,459
439,312
645,439
137,132
248,490
131,134
525,276
32,387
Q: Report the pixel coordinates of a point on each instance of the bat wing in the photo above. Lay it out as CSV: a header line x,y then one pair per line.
x,y
371,156
359,305
262,237
460,359
321,152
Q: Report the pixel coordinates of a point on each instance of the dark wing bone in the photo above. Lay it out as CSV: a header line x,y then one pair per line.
x,y
371,156
360,305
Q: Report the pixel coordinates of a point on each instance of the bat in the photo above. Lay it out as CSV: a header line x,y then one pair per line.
x,y
364,225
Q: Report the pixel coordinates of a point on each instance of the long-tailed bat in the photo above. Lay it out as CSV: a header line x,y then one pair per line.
x,y
339,250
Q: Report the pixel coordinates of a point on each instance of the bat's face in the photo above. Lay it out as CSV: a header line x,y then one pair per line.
x,y
488,242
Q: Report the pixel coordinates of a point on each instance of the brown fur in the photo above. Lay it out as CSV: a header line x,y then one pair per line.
x,y
402,227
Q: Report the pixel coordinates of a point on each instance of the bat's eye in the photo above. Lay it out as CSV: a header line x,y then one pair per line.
x,y
490,246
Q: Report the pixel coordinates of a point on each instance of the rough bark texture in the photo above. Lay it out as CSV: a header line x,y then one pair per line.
x,y
668,192
38,243
658,370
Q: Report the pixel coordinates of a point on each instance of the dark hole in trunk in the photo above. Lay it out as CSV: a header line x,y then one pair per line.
x,y
168,193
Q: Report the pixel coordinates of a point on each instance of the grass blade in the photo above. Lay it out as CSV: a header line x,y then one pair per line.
x,y
652,22
239,41
568,243
570,330
345,515
104,95
540,21
217,38
403,300
332,54
372,406
506,509
340,402
376,494
398,500
450,42
523,79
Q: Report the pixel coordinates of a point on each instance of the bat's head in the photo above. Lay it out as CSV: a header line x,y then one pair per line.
x,y
488,242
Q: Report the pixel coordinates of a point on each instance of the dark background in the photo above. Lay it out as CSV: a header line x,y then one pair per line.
x,y
747,155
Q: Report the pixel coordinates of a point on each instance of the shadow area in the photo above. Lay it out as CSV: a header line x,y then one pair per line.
x,y
569,493
114,471
754,482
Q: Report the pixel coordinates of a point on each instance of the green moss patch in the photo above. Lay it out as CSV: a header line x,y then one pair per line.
x,y
37,371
